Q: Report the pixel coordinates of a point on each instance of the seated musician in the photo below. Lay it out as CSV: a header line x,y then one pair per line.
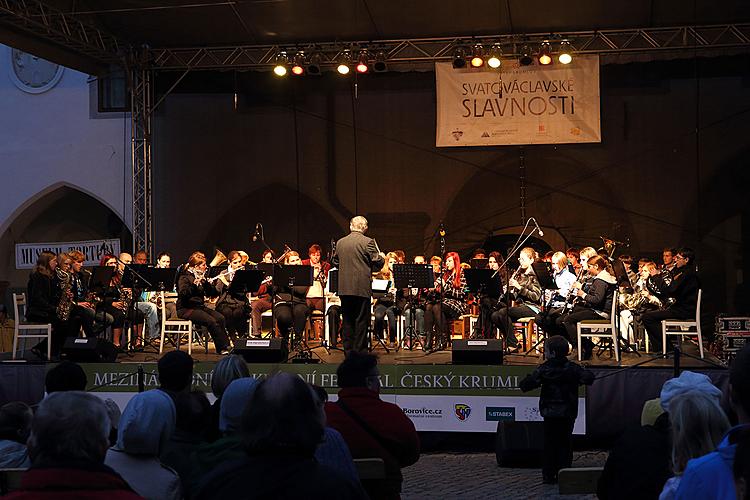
x,y
595,303
573,255
389,305
116,302
682,288
488,303
418,301
525,289
42,297
192,289
637,301
316,293
144,302
290,309
233,304
82,309
263,301
164,260
448,303
400,256
556,299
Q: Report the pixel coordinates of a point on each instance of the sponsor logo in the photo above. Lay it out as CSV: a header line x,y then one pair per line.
x,y
423,412
457,134
499,413
463,411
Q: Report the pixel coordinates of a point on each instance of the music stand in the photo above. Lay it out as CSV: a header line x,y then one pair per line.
x,y
483,283
100,278
412,276
246,281
292,276
546,277
479,263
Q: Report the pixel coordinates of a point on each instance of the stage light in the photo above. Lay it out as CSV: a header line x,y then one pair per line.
x,y
298,67
380,66
545,58
565,56
313,64
344,61
525,59
459,58
477,58
362,66
495,53
280,64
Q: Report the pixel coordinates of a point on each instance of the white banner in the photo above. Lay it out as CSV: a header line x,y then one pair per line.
x,y
94,250
555,104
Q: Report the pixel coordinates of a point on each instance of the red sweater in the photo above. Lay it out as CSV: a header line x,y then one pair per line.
x,y
96,482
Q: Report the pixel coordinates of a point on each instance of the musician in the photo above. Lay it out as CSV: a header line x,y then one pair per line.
x,y
451,288
528,296
291,310
391,304
192,288
316,293
595,303
418,306
627,262
147,308
419,259
637,301
164,260
573,255
668,260
488,303
564,280
263,301
232,304
82,309
400,256
683,288
140,258
43,296
437,265
116,300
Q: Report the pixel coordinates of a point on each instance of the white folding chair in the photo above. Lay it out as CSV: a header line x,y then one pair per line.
x,y
176,327
680,324
19,308
601,324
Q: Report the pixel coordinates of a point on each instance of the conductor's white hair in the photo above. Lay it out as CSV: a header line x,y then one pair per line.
x,y
358,223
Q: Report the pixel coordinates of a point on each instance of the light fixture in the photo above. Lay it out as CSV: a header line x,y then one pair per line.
x,y
379,66
362,60
477,57
345,59
545,57
459,58
313,64
525,59
495,53
565,56
280,64
298,67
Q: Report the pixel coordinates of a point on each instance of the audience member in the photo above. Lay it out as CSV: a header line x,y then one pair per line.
x,y
175,372
710,476
372,427
145,427
67,447
225,371
66,376
281,430
333,450
15,425
742,467
559,379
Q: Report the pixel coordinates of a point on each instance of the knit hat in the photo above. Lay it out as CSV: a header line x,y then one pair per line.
x,y
687,382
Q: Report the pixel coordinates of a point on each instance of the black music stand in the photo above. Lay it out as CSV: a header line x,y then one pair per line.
x,y
546,277
483,283
411,276
247,281
100,278
292,276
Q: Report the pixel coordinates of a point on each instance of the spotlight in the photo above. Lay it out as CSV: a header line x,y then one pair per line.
x,y
477,59
343,63
380,66
298,67
525,59
494,60
313,64
565,57
362,66
545,58
459,58
280,64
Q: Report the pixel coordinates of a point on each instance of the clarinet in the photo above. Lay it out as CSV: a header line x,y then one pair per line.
x,y
572,297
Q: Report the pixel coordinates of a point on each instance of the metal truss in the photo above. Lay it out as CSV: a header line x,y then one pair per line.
x,y
430,50
141,99
53,25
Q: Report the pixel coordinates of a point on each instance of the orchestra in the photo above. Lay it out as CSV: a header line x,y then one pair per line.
x,y
58,292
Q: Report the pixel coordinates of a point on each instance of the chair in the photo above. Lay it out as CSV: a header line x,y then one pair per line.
x,y
680,324
10,479
527,328
601,324
177,327
19,308
315,316
579,480
370,468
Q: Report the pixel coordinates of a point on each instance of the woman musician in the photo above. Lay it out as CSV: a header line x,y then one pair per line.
x,y
389,305
43,295
116,302
263,301
290,309
452,286
232,304
524,286
192,288
488,303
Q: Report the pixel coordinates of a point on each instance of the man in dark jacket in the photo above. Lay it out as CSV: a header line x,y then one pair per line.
x,y
559,379
356,257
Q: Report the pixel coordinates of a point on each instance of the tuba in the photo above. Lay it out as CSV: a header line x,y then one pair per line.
x,y
219,259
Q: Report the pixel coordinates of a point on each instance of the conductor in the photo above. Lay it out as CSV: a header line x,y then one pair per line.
x,y
356,257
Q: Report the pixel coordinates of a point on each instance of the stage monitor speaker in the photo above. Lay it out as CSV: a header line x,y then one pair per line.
x,y
477,352
519,444
261,350
89,350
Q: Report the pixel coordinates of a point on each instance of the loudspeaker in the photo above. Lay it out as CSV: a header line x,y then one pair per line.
x,y
519,444
477,352
89,350
262,350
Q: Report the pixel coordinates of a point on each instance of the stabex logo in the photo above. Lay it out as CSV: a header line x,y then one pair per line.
x,y
462,411
500,414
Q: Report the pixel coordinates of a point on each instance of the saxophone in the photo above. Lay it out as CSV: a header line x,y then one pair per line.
x,y
66,298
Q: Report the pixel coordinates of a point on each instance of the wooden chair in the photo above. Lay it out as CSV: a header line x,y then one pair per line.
x,y
176,327
19,308
527,327
601,324
680,324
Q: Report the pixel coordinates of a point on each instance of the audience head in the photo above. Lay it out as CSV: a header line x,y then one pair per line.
x,y
15,421
741,466
225,371
69,426
146,424
359,370
284,415
687,381
739,383
556,347
359,224
175,371
234,403
193,413
46,263
66,376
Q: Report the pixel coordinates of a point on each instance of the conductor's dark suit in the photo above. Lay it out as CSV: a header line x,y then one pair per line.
x,y
356,257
